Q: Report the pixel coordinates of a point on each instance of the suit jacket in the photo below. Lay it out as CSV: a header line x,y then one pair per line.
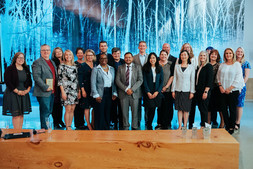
x,y
41,72
205,78
136,81
97,82
148,81
11,77
138,61
173,60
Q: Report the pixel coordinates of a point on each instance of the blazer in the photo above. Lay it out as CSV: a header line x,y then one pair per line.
x,y
97,82
205,78
136,81
138,61
184,81
41,72
11,77
148,81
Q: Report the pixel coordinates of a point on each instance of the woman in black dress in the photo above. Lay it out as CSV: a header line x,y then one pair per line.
x,y
16,99
153,84
57,57
204,80
84,75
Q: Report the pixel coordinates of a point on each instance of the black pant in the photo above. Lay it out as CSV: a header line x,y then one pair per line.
x,y
165,111
57,113
116,113
102,111
229,102
150,112
203,107
192,112
79,116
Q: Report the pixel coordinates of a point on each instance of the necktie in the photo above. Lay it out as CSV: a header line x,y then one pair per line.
x,y
127,76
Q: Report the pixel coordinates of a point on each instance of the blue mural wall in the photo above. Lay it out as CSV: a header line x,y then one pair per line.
x,y
27,24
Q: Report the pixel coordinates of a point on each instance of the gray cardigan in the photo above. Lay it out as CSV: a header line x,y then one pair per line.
x,y
41,71
97,82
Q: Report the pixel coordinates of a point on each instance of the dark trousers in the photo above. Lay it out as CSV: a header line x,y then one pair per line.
x,y
102,111
116,113
150,112
192,112
57,113
229,102
79,116
165,111
203,107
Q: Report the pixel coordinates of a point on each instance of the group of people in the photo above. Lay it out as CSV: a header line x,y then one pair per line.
x,y
109,85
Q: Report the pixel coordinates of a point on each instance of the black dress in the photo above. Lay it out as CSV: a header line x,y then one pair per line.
x,y
84,75
14,104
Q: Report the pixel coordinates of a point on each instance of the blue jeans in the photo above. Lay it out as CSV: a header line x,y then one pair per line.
x,y
46,108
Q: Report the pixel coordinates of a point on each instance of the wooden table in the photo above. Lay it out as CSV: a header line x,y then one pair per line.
x,y
120,149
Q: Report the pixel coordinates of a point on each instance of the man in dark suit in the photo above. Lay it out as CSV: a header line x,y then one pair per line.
x,y
129,80
103,49
116,113
44,70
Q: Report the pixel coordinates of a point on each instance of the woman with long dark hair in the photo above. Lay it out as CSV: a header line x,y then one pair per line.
x,y
16,99
153,84
57,57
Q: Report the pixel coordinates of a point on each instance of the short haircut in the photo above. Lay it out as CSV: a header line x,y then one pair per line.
x,y
79,48
44,45
142,42
115,50
128,53
217,53
163,51
102,42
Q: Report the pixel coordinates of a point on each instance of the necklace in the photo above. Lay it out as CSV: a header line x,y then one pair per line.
x,y
104,68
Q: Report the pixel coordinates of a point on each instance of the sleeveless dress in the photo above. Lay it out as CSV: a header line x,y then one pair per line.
x,y
14,104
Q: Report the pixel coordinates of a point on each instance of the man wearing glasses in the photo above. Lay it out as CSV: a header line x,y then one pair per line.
x,y
45,77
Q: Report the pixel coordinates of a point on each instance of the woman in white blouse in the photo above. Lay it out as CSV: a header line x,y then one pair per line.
x,y
230,81
103,90
183,87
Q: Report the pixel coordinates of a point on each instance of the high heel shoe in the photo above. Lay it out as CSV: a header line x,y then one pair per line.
x,y
237,126
62,124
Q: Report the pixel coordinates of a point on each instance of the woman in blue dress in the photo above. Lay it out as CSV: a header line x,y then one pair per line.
x,y
84,75
245,70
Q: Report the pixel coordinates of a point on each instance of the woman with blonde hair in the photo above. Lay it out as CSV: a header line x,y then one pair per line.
x,y
245,71
231,82
16,99
68,82
84,76
204,80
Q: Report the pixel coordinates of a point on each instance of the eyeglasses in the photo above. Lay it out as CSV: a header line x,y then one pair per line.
x,y
45,50
103,58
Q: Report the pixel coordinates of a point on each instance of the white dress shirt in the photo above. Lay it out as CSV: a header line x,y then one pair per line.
x,y
154,74
142,59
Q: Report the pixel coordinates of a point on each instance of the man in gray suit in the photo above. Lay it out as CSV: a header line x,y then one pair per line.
x,y
129,80
141,59
45,77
